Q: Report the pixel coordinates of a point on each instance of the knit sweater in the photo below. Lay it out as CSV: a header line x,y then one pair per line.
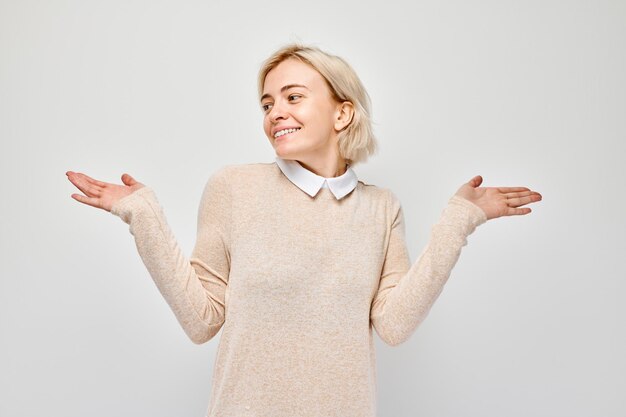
x,y
297,284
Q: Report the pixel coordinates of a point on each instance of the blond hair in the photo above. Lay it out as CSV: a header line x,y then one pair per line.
x,y
356,141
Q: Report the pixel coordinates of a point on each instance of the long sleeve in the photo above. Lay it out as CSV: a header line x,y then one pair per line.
x,y
407,292
195,287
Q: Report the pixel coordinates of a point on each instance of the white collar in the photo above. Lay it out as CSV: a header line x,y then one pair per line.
x,y
310,182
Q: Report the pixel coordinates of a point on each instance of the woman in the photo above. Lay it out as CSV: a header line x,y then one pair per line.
x,y
297,260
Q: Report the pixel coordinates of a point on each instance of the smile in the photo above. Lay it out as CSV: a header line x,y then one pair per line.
x,y
285,132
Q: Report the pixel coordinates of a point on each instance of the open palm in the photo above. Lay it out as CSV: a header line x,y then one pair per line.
x,y
100,194
498,201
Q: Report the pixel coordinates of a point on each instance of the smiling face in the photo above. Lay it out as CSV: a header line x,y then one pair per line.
x,y
301,118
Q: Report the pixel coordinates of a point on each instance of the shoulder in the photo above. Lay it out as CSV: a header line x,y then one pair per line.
x,y
379,193
244,180
235,173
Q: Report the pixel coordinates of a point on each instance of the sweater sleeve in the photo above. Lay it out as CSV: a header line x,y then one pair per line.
x,y
195,287
407,292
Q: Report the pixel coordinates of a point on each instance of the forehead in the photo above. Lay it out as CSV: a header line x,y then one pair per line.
x,y
292,71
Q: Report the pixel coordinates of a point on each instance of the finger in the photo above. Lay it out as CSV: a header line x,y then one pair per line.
x,y
90,201
83,185
128,180
520,201
518,194
476,181
518,211
87,187
96,182
90,180
512,189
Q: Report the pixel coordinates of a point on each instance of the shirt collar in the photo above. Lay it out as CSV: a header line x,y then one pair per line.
x,y
310,182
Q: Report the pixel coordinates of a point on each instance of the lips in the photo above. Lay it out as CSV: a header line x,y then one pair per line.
x,y
279,128
286,134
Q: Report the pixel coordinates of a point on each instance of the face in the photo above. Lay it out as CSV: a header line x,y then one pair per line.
x,y
301,118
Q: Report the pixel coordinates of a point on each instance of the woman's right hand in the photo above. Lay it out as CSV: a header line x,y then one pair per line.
x,y
100,194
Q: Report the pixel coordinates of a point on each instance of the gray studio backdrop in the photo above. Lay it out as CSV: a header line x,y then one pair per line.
x,y
532,93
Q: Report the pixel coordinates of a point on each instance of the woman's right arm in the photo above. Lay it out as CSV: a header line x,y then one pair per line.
x,y
195,287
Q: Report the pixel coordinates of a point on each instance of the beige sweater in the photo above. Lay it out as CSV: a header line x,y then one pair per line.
x,y
296,283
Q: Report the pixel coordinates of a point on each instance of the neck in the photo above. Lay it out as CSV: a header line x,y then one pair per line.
x,y
326,170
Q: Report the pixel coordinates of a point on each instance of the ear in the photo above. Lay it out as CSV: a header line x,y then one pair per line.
x,y
344,115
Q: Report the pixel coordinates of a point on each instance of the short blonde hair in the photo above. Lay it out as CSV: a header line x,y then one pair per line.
x,y
356,142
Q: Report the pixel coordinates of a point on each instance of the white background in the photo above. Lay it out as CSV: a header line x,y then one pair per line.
x,y
530,93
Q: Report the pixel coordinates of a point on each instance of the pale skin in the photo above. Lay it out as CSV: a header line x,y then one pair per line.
x,y
309,106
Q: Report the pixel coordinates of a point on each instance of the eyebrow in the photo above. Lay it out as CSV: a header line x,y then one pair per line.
x,y
286,87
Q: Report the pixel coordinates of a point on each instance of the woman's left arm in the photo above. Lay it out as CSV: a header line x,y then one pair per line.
x,y
407,292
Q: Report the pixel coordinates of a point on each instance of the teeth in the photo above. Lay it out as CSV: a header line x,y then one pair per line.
x,y
284,132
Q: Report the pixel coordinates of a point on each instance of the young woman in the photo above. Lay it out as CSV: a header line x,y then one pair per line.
x,y
297,260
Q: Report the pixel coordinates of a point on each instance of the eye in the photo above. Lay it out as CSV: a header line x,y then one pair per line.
x,y
265,107
294,96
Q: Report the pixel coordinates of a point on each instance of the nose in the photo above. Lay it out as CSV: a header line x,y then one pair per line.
x,y
277,112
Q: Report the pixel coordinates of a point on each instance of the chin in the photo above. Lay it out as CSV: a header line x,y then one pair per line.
x,y
285,154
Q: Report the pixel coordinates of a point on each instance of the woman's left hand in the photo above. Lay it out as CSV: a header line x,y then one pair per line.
x,y
498,201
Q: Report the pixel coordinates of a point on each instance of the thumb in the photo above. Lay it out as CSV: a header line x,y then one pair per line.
x,y
128,180
476,181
